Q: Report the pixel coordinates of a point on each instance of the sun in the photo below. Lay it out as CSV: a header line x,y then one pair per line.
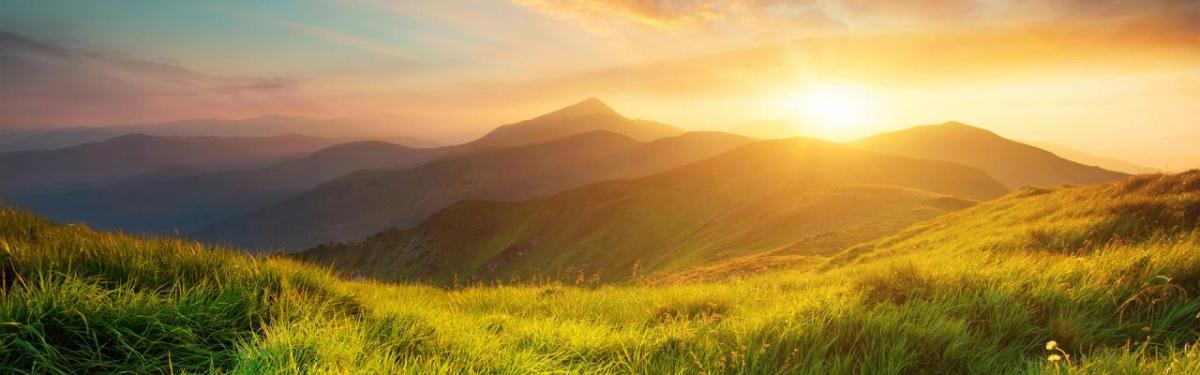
x,y
835,111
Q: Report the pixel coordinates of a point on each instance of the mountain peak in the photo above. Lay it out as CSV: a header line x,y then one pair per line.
x,y
587,107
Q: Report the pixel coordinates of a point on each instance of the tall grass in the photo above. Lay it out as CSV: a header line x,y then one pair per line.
x,y
948,297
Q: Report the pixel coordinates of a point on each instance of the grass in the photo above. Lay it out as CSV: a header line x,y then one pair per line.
x,y
1111,278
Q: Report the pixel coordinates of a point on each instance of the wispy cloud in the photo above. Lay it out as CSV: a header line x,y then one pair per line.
x,y
859,14
655,14
50,83
351,40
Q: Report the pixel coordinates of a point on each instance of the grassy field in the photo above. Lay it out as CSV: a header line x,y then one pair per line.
x,y
1109,273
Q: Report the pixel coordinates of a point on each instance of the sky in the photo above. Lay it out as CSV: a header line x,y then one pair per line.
x,y
1113,77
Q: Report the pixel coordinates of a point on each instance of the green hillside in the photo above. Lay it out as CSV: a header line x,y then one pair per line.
x,y
757,198
73,300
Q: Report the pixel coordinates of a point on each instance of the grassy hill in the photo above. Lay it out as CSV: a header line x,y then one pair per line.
x,y
1012,163
73,300
358,205
754,199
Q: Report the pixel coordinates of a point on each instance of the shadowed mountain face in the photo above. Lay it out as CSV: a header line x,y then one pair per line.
x,y
1012,163
367,202
99,163
160,204
760,197
582,117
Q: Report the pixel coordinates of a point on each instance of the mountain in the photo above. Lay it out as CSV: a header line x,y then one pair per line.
x,y
345,129
164,202
757,198
185,198
1012,163
99,163
1086,158
588,115
363,203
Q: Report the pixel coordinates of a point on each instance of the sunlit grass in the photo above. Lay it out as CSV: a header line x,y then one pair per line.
x,y
1110,274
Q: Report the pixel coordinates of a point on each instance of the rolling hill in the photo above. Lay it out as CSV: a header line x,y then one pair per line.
x,y
1012,163
166,204
757,198
75,300
363,203
100,163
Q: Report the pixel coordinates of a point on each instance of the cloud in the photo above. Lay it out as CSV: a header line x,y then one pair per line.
x,y
859,14
654,13
350,40
49,83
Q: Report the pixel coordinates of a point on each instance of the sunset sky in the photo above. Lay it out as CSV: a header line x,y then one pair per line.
x,y
1113,77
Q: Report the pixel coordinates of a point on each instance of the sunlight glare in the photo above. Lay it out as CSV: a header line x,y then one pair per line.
x,y
836,111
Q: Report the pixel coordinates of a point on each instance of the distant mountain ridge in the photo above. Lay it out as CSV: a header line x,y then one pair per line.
x,y
172,198
345,129
366,202
1012,163
99,163
1087,158
756,198
186,203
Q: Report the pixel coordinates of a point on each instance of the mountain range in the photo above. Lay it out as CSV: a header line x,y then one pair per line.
x,y
1012,163
183,198
366,202
383,128
590,180
185,203
99,163
756,198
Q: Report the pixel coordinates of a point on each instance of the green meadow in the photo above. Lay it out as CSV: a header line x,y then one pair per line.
x,y
1093,279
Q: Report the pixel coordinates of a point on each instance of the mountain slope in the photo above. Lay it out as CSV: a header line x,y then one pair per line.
x,y
757,198
98,163
164,205
367,202
588,115
1013,164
